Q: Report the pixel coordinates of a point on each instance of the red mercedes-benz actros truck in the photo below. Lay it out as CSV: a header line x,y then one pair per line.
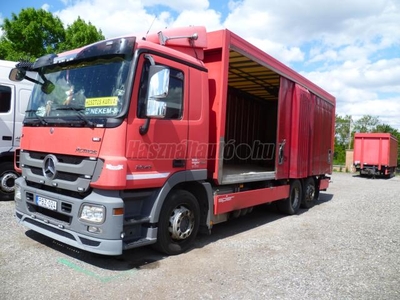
x,y
136,141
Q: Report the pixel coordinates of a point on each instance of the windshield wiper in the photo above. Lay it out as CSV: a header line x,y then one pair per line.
x,y
79,113
41,119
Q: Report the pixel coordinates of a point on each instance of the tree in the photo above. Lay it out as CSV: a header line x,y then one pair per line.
x,y
366,123
80,34
31,34
343,137
342,129
34,33
386,129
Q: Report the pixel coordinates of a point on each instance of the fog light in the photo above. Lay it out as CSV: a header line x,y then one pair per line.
x,y
92,213
94,229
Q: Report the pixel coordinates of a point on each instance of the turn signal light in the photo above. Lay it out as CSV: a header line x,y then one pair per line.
x,y
118,211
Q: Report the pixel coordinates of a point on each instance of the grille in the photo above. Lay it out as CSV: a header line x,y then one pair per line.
x,y
43,212
60,175
68,159
73,173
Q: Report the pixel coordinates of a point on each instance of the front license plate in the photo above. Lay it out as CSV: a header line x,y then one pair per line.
x,y
46,203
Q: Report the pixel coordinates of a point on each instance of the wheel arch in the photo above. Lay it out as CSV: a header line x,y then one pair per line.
x,y
191,181
6,156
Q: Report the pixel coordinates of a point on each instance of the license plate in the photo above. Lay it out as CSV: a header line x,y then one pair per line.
x,y
46,203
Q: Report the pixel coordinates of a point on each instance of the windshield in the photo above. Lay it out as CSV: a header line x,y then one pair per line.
x,y
80,91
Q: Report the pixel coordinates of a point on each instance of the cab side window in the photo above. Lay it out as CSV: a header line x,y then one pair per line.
x,y
174,98
5,99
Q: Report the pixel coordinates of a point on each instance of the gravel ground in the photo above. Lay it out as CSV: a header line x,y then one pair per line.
x,y
346,247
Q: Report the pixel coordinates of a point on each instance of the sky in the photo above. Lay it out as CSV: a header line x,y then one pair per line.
x,y
350,48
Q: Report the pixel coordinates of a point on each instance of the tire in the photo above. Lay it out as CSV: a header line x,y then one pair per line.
x,y
310,193
7,179
291,205
178,223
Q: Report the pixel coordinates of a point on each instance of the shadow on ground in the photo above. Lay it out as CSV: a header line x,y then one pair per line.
x,y
148,258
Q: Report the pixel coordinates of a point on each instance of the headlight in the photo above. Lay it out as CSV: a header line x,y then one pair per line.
x,y
17,193
93,213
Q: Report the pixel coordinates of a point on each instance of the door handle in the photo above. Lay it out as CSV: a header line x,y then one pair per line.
x,y
281,150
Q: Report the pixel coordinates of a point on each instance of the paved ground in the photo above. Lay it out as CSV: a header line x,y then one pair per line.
x,y
346,247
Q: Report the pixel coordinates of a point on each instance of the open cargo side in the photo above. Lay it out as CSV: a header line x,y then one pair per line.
x,y
264,124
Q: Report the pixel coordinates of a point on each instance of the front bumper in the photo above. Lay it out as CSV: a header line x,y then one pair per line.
x,y
63,223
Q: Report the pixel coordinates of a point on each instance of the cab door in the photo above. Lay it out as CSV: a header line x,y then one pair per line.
x,y
160,151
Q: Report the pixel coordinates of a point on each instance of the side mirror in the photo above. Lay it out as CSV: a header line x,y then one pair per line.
x,y
20,74
156,109
17,74
47,87
158,90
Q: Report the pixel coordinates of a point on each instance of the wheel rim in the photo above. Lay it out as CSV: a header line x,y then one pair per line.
x,y
7,182
181,223
310,192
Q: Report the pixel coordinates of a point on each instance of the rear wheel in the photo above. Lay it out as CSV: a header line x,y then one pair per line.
x,y
178,223
310,193
7,180
291,205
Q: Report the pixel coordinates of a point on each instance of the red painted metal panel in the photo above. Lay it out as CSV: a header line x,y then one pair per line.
x,y
306,125
324,184
234,201
393,150
322,142
217,62
150,157
65,140
198,146
301,133
282,161
375,149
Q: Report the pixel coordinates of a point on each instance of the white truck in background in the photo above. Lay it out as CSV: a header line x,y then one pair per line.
x,y
14,97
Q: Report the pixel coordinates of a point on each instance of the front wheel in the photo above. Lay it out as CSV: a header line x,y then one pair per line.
x,y
291,205
178,223
7,181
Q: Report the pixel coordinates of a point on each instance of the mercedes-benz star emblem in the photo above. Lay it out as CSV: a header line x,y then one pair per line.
x,y
49,166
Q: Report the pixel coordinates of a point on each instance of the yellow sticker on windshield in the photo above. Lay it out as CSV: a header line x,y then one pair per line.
x,y
103,101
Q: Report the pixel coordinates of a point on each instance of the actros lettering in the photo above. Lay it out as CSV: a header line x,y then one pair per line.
x,y
85,151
